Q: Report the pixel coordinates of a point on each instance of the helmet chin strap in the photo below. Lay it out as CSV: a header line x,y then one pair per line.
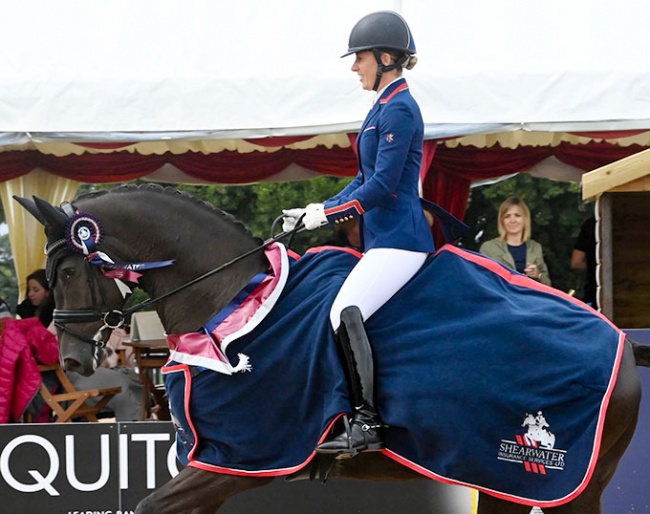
x,y
381,68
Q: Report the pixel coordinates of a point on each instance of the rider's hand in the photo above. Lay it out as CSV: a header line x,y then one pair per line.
x,y
291,217
314,216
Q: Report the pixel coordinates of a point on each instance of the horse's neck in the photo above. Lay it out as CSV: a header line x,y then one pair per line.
x,y
145,226
191,308
197,244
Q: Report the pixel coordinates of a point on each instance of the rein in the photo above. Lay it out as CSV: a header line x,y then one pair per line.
x,y
115,318
271,240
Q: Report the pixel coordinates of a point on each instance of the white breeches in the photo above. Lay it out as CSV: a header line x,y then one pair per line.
x,y
379,274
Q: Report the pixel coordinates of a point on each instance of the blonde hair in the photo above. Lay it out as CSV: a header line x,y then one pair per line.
x,y
509,202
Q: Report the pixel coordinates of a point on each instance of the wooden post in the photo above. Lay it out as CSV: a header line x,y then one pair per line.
x,y
605,253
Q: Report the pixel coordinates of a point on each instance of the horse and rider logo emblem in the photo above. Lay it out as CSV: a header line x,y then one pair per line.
x,y
534,448
537,433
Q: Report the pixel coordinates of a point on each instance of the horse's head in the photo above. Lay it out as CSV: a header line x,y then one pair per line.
x,y
88,306
97,248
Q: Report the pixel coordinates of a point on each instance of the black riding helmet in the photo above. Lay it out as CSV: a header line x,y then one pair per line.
x,y
378,32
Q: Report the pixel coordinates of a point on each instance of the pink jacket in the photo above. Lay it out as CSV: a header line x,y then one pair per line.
x,y
24,344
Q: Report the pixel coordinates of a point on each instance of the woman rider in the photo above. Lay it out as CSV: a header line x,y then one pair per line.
x,y
396,238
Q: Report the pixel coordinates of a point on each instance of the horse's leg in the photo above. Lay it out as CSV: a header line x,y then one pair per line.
x,y
620,424
590,500
198,491
490,505
619,429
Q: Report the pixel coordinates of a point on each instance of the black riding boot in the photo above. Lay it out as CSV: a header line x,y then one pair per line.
x,y
364,431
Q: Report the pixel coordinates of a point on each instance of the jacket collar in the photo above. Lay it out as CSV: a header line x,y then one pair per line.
x,y
383,97
391,90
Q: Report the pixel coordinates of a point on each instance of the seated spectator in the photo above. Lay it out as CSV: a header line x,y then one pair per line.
x,y
120,354
23,346
514,247
126,406
38,302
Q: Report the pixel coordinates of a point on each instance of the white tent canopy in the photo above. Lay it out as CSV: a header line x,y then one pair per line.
x,y
209,76
206,69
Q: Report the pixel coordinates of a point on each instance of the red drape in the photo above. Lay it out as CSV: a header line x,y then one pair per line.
x,y
453,169
223,167
447,172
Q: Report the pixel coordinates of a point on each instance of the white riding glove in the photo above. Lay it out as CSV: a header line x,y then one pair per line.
x,y
290,219
314,216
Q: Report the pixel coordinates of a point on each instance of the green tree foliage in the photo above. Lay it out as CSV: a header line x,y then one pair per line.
x,y
556,209
557,213
8,282
260,204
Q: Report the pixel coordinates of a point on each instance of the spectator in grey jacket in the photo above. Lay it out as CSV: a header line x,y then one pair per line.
x,y
514,247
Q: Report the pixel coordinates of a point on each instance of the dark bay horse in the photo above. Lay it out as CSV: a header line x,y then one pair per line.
x,y
149,224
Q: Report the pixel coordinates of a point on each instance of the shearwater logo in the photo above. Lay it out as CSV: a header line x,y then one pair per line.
x,y
535,448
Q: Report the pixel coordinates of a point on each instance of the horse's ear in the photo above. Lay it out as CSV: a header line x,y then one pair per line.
x,y
55,219
31,208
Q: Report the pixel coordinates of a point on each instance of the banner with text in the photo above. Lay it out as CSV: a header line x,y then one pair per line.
x,y
83,468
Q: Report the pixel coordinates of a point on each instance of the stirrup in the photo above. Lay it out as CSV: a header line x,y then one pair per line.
x,y
343,445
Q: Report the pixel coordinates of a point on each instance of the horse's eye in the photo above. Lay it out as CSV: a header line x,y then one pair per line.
x,y
67,273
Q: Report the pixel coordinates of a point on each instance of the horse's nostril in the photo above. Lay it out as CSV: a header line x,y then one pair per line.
x,y
71,364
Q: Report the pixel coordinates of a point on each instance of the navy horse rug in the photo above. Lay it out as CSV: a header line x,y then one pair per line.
x,y
485,377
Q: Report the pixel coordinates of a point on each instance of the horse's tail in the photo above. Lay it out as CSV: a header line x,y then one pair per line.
x,y
641,353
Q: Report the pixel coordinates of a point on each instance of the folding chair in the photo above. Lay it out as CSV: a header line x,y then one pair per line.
x,y
71,404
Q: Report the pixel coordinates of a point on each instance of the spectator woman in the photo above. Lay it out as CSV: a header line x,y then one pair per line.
x,y
514,247
39,301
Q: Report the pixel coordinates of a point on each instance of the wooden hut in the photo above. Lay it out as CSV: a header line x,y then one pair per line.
x,y
621,191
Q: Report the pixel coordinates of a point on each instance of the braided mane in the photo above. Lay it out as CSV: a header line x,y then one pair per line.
x,y
170,191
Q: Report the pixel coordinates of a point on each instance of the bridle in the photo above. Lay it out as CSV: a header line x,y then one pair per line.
x,y
115,318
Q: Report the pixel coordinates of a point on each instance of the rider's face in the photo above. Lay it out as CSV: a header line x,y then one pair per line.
x,y
365,65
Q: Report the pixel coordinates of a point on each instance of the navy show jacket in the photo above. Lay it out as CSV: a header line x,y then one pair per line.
x,y
384,194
